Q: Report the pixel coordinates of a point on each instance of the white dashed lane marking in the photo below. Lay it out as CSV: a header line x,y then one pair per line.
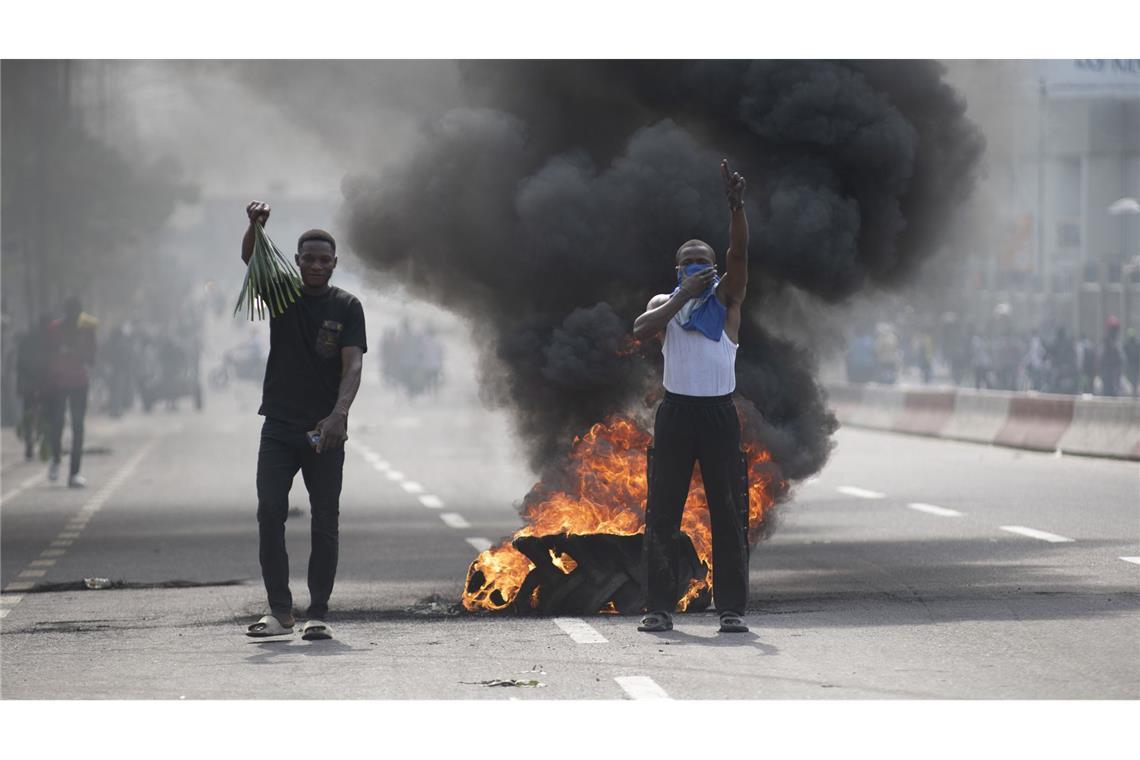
x,y
48,557
859,493
1052,538
930,509
579,630
479,544
454,520
394,475
412,486
431,501
641,687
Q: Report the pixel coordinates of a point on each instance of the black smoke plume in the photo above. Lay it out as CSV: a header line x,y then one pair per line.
x,y
548,211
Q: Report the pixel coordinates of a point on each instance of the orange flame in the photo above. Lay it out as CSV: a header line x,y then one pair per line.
x,y
604,491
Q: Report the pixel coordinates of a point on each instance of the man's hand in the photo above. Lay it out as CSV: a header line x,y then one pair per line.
x,y
734,185
333,431
694,285
258,212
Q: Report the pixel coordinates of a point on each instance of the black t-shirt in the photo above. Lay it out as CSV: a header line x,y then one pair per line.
x,y
302,375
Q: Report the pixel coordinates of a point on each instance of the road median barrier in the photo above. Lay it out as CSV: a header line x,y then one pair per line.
x,y
1091,426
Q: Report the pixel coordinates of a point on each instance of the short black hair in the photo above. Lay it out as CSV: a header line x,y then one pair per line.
x,y
316,234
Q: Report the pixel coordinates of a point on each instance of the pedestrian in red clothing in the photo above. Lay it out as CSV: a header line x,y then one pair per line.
x,y
70,348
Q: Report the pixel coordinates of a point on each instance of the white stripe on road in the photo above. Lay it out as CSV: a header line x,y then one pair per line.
x,y
580,631
32,574
453,520
412,486
63,542
479,544
53,553
4,613
430,501
1133,560
19,586
395,475
41,563
1052,538
10,599
381,465
24,486
930,509
72,535
861,493
641,687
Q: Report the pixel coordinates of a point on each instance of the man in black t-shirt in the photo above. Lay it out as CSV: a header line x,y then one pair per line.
x,y
316,348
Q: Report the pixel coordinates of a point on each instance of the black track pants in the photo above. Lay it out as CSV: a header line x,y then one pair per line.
x,y
695,429
284,450
56,405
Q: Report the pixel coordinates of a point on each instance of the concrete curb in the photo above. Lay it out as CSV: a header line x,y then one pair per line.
x,y
1105,427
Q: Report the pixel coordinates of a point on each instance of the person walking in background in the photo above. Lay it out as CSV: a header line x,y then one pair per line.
x,y
1110,362
31,380
1063,364
980,361
1035,363
1132,361
1086,360
70,347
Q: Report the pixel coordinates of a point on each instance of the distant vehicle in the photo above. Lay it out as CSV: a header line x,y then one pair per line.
x,y
168,372
244,362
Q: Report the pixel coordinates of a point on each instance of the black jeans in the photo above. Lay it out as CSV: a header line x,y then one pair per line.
x,y
284,450
55,406
689,429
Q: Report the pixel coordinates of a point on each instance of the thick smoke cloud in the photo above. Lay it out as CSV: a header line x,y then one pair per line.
x,y
549,210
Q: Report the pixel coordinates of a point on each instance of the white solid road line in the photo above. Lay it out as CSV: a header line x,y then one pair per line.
x,y
641,687
1133,560
24,486
412,486
431,501
453,520
930,509
479,544
1052,538
580,631
861,493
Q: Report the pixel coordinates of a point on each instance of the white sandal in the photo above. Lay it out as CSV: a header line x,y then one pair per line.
x,y
315,630
267,626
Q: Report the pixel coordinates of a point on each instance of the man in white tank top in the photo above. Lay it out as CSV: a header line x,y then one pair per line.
x,y
697,421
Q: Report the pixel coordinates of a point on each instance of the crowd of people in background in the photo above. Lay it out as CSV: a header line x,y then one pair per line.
x,y
59,375
999,359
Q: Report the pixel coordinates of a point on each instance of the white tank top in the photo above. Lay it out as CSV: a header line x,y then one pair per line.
x,y
697,366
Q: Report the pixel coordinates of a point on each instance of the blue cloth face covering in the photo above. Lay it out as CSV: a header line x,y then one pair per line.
x,y
704,313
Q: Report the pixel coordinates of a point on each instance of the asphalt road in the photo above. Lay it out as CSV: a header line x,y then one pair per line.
x,y
910,568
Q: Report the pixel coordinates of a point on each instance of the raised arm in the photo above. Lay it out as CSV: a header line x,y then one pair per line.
x,y
735,281
257,212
